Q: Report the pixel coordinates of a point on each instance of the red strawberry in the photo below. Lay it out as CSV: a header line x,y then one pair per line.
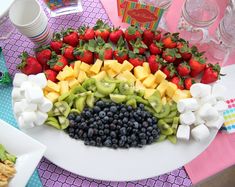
x,y
158,35
86,33
178,82
103,50
183,69
156,48
85,52
67,52
184,50
154,63
197,64
211,74
115,35
121,53
102,29
169,70
29,65
51,75
56,44
136,60
138,46
132,33
57,62
70,37
188,82
148,36
170,55
43,54
170,40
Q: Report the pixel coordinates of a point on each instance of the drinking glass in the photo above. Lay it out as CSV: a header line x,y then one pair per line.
x,y
197,16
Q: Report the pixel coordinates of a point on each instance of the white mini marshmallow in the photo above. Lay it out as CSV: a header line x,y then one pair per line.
x,y
26,85
189,104
17,94
208,113
219,91
200,90
29,117
187,118
183,132
23,124
216,123
221,106
34,94
19,79
200,132
39,79
41,117
45,106
31,107
208,99
198,120
20,106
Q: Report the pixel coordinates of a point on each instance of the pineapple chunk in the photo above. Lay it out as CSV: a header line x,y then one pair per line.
x,y
101,75
148,93
106,64
140,73
121,77
52,87
82,76
154,85
64,87
139,85
126,66
45,92
84,67
187,92
160,76
73,83
164,101
111,73
179,94
149,81
60,76
129,76
52,96
95,68
162,87
76,67
66,73
170,91
115,66
146,67
90,73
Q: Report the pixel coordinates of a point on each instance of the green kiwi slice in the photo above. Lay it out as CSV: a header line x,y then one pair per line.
x,y
164,112
117,98
78,89
104,87
80,103
161,138
125,88
63,108
52,121
155,101
64,122
89,84
132,102
172,139
90,100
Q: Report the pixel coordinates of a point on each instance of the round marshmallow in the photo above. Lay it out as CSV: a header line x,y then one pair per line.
x,y
200,132
41,117
189,104
17,94
198,120
34,94
45,106
20,106
28,117
39,79
23,124
200,90
208,113
19,79
187,118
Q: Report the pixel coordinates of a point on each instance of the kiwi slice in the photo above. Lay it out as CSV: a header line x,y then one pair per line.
x,y
161,138
73,110
64,122
132,102
116,91
165,128
63,107
111,80
140,93
80,103
52,121
117,98
150,109
175,124
77,89
98,95
104,87
140,100
172,114
173,107
164,113
89,84
125,88
63,96
168,120
172,139
70,99
155,101
90,100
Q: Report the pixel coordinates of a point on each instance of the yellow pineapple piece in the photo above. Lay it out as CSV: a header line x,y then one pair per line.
x,y
121,77
129,76
64,87
95,68
160,76
140,73
82,76
45,92
149,81
148,93
115,66
179,94
60,76
84,67
52,96
73,83
164,101
126,66
52,87
111,73
101,75
187,92
107,63
146,67
76,67
162,87
171,88
139,85
154,85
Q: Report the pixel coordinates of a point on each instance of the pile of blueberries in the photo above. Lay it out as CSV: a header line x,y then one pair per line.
x,y
114,125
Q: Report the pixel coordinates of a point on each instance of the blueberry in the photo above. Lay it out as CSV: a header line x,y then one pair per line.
x,y
123,131
106,131
121,143
154,132
134,143
113,134
138,112
126,114
100,104
109,114
115,121
71,130
115,146
145,124
83,125
123,109
133,137
136,125
123,138
125,120
143,141
121,115
80,133
115,116
101,127
72,122
102,114
99,122
119,122
127,145
90,132
149,120
143,130
114,141
142,135
108,143
71,116
141,106
112,126
113,109
78,118
98,139
105,119
150,128
101,132
106,126
96,109
92,143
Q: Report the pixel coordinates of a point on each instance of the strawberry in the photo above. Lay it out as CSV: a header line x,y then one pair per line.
x,y
43,54
148,36
115,35
158,35
156,48
169,70
121,53
178,82
188,82
85,52
103,50
70,37
136,60
211,73
170,55
132,33
170,40
29,65
67,52
57,62
86,33
154,63
51,75
102,29
183,69
56,44
138,46
184,50
197,65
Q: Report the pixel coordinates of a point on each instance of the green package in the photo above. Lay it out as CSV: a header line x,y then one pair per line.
x,y
5,78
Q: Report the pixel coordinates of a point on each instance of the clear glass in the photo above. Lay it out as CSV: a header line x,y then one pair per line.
x,y
6,28
197,16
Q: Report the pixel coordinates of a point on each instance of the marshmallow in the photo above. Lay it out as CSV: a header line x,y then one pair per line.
x,y
200,90
20,106
17,94
45,106
216,123
219,91
208,99
183,132
187,118
34,94
31,107
26,85
208,113
23,124
28,117
39,79
221,106
189,104
198,120
200,132
19,79
40,118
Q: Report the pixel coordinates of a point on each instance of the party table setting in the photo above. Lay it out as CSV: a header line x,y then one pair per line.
x,y
116,92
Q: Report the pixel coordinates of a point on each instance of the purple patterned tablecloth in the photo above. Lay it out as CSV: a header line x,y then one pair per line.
x,y
50,174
